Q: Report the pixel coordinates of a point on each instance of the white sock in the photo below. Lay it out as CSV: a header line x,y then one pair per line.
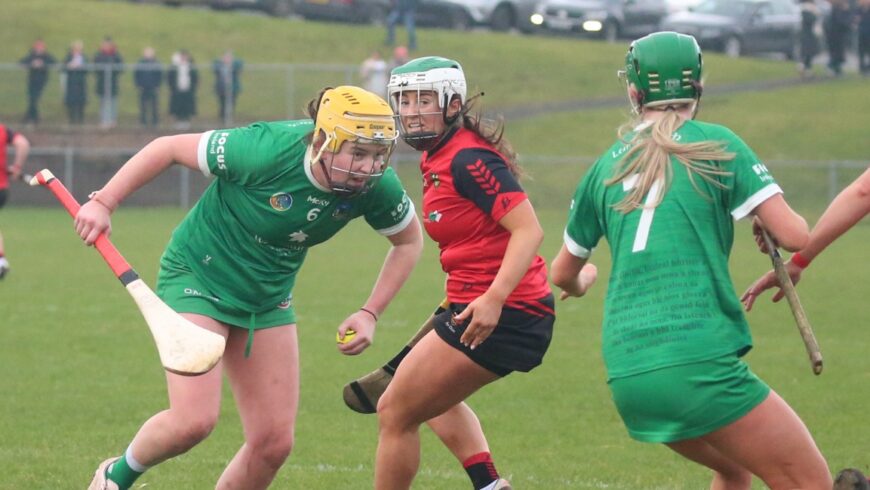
x,y
131,461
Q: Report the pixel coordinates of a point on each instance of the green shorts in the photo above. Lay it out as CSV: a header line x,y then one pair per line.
x,y
179,288
687,401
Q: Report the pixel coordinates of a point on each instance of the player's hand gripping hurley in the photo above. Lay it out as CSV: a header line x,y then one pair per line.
x,y
184,347
794,302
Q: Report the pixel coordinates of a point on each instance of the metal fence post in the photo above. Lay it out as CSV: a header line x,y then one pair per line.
x,y
68,167
184,180
833,181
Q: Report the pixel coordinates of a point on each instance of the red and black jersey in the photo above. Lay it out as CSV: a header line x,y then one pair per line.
x,y
467,189
6,137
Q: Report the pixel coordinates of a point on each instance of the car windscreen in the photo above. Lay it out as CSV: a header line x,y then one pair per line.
x,y
727,8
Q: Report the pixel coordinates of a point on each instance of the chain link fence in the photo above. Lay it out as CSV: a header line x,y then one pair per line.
x,y
809,186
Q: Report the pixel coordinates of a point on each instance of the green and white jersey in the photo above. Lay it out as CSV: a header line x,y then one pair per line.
x,y
670,299
247,237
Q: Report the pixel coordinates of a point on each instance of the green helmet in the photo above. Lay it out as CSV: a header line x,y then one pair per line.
x,y
665,67
431,73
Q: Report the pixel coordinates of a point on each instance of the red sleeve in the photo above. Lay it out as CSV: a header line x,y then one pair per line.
x,y
482,176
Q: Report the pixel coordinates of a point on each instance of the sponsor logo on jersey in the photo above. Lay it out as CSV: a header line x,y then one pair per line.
x,y
342,211
435,216
281,201
286,303
298,236
762,172
220,150
317,201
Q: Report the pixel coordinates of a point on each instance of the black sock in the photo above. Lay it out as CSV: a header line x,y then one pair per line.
x,y
480,469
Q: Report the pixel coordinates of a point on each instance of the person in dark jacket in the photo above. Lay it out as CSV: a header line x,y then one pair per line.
x,y
37,62
837,29
75,82
182,79
227,84
864,36
809,42
108,67
148,75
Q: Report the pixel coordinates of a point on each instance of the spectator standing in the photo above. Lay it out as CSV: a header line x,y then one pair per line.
x,y
864,36
374,73
108,66
182,79
75,82
22,148
837,28
403,10
400,57
37,62
148,75
227,84
808,40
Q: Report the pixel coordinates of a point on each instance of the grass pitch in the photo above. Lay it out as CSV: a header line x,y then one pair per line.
x,y
81,373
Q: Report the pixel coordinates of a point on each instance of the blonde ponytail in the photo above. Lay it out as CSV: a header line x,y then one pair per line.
x,y
649,159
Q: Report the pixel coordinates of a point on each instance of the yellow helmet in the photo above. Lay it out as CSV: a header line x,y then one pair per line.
x,y
350,113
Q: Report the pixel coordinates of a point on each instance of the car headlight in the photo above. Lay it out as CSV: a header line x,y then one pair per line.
x,y
592,25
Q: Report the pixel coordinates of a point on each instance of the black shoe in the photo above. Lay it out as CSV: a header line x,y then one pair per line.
x,y
851,479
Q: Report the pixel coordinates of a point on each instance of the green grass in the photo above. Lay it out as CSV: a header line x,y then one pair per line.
x,y
81,373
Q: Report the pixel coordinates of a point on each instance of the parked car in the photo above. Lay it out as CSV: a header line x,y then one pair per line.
x,y
738,27
499,15
430,13
363,11
604,19
279,8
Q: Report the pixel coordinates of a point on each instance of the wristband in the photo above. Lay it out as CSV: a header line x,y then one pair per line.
x,y
370,312
104,201
798,260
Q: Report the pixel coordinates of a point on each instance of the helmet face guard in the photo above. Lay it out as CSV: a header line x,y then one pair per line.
x,y
665,68
353,115
443,77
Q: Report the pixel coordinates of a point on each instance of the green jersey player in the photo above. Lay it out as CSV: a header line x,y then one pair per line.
x,y
278,189
665,196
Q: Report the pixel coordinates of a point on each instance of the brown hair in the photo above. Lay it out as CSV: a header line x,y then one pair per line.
x,y
492,131
649,158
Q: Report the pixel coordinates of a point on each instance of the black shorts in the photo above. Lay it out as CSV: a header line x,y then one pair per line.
x,y
4,193
518,342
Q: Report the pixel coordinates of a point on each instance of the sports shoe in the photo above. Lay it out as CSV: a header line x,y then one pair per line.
x,y
851,479
4,267
100,482
500,484
503,484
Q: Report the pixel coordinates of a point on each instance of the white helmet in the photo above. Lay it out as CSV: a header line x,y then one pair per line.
x,y
432,73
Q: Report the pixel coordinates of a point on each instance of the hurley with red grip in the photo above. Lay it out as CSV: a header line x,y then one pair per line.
x,y
184,347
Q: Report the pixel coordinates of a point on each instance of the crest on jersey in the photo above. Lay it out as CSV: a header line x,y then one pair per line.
x,y
281,201
342,211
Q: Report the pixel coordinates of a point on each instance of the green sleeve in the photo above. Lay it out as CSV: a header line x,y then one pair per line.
x,y
751,182
584,228
388,209
247,156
